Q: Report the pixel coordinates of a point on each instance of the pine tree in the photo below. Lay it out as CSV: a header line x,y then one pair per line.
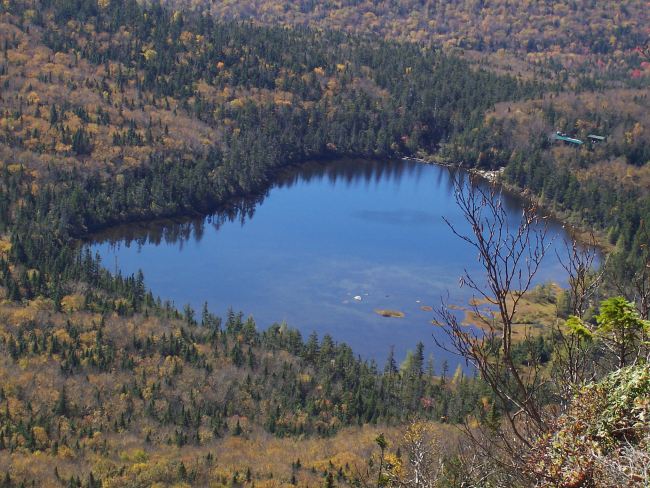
x,y
62,407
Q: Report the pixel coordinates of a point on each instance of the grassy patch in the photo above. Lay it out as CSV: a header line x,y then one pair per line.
x,y
536,311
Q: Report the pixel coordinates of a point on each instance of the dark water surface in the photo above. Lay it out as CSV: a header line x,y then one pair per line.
x,y
323,235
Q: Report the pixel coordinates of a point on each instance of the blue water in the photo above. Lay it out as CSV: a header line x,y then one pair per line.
x,y
322,235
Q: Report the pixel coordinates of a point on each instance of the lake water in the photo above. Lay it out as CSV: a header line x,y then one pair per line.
x,y
324,234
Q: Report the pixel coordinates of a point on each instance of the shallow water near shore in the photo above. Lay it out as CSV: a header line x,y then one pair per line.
x,y
324,249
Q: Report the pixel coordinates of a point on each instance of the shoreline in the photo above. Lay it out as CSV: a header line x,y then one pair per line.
x,y
583,235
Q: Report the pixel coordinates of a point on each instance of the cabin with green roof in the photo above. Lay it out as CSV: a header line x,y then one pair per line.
x,y
560,136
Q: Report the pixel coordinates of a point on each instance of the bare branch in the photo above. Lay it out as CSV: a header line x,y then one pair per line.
x,y
510,253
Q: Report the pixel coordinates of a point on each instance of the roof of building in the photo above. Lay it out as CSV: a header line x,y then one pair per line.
x,y
570,140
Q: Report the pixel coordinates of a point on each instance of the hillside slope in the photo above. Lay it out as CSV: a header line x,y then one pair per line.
x,y
89,393
113,111
583,34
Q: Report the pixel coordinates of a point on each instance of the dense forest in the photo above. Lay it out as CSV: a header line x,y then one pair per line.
x,y
601,185
173,379
113,111
578,27
548,36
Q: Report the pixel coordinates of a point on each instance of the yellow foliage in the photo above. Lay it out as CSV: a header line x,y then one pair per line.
x,y
345,458
61,58
65,452
485,402
29,14
121,302
237,103
171,365
5,246
62,148
62,336
32,273
33,98
16,58
72,303
149,54
268,484
96,440
186,37
22,315
40,435
138,467
134,456
205,435
332,84
393,465
88,338
281,100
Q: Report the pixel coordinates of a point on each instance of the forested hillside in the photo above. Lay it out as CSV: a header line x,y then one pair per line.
x,y
113,111
601,185
578,36
107,91
579,27
83,390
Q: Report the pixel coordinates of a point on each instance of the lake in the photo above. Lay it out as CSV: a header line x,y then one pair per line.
x,y
326,246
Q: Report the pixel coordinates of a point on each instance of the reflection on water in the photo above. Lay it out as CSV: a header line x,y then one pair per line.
x,y
172,231
324,248
352,173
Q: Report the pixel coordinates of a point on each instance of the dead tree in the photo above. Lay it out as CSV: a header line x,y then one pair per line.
x,y
510,253
574,365
641,278
422,458
579,262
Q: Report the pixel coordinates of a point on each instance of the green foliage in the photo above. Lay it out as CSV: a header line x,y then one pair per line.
x,y
618,316
621,327
578,328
